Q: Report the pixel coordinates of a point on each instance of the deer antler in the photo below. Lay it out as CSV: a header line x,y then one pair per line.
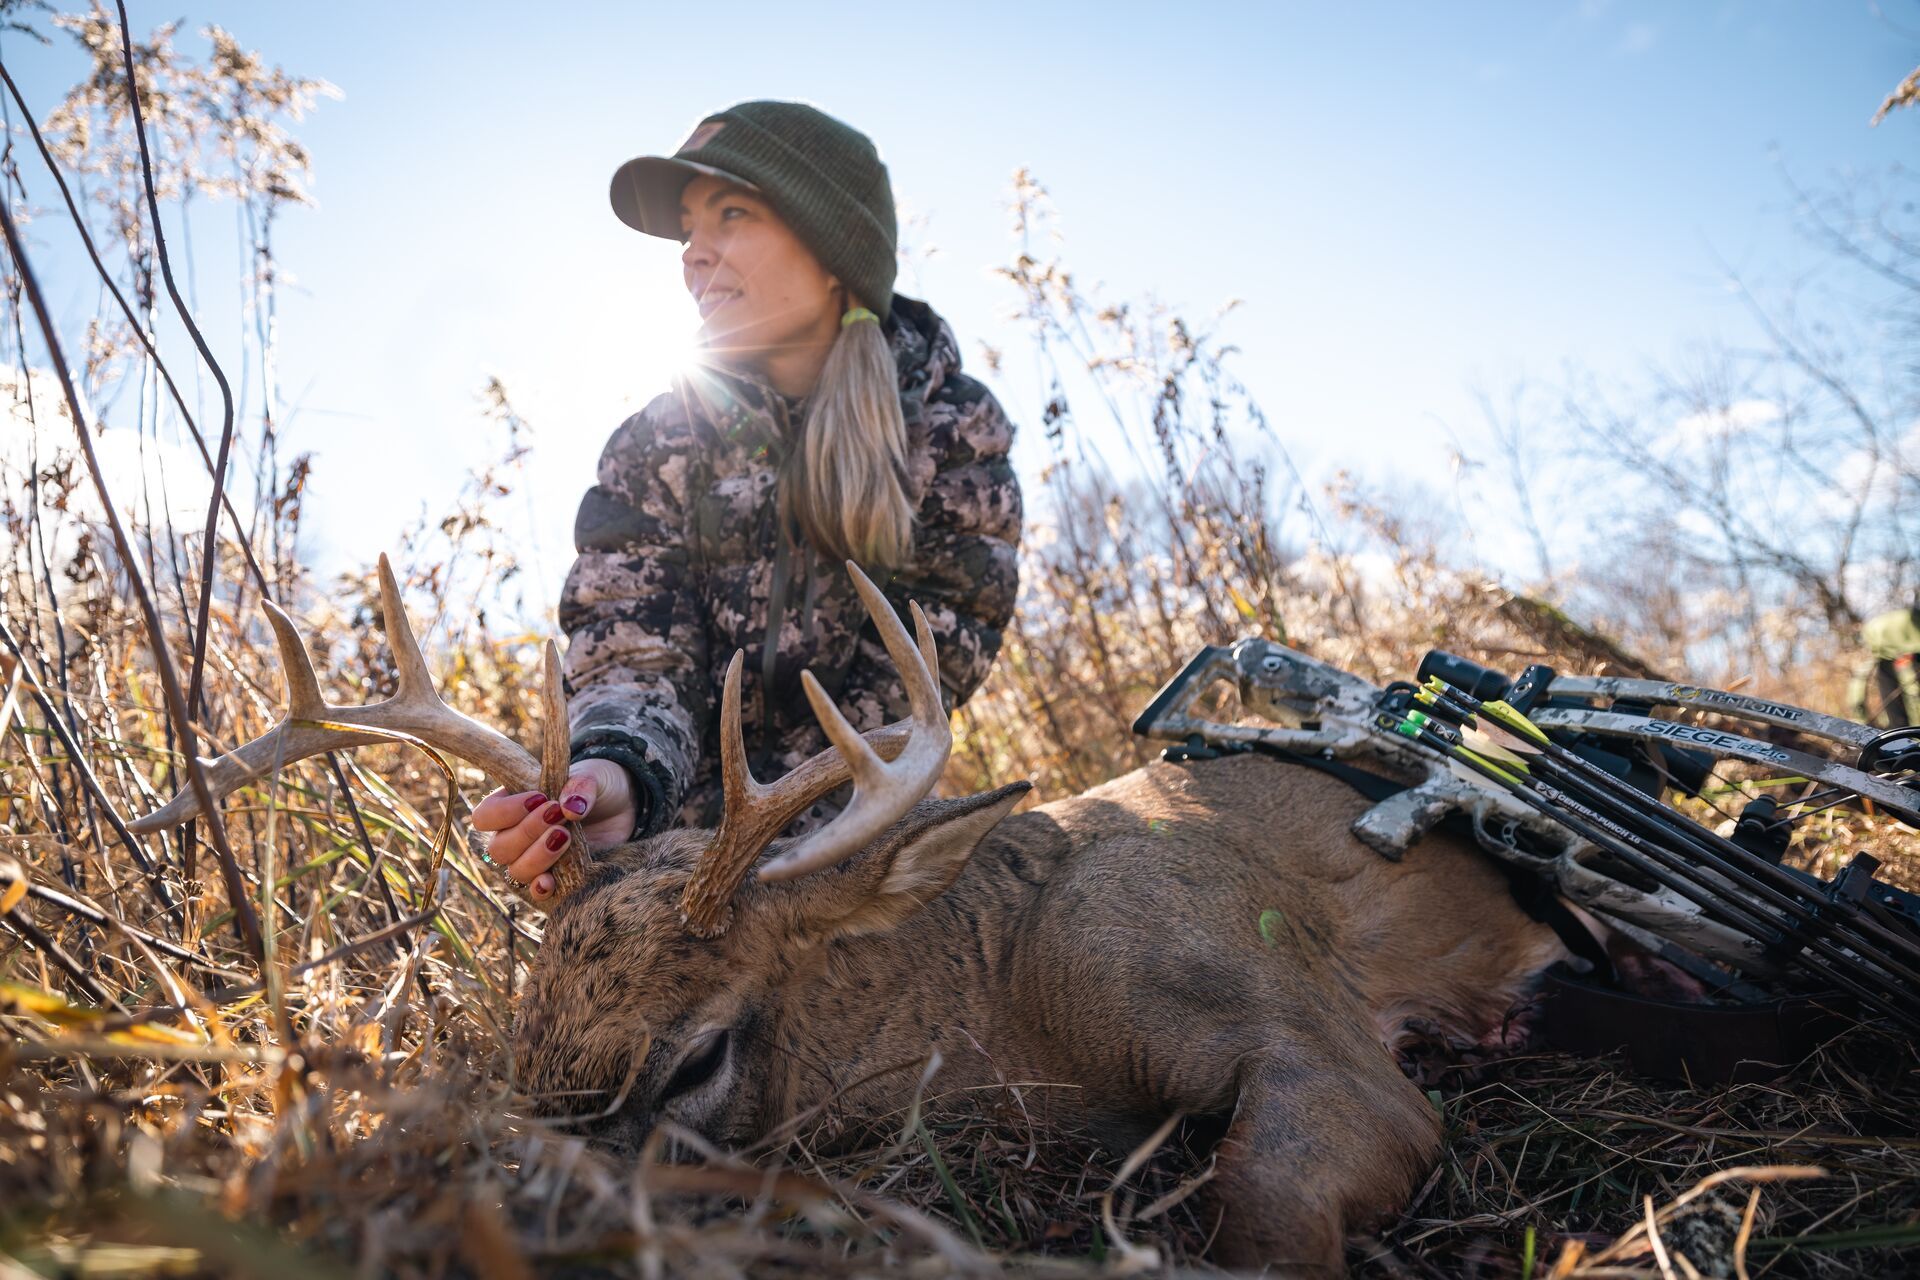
x,y
756,812
313,725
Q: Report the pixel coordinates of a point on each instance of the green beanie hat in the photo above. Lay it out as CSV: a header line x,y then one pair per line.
x,y
822,177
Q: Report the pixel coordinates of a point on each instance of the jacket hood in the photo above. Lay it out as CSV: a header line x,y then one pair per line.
x,y
924,350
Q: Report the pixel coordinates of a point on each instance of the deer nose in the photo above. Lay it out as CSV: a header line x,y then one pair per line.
x,y
615,1118
621,1134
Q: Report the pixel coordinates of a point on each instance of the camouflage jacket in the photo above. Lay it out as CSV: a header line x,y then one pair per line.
x,y
1893,635
682,560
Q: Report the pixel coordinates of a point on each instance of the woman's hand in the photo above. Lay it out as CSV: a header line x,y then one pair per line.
x,y
528,831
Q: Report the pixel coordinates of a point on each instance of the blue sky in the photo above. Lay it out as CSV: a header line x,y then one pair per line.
x,y
1410,199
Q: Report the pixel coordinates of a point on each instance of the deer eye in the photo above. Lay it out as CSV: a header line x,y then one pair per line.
x,y
698,1068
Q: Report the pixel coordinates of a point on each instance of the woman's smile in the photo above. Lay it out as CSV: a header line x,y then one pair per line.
x,y
712,299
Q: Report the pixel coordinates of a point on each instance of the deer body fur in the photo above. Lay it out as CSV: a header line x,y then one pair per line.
x,y
1110,946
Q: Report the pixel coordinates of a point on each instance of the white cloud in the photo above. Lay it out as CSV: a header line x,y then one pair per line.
x,y
1727,420
151,481
1856,472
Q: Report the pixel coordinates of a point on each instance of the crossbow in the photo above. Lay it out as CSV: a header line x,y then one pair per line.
x,y
1562,778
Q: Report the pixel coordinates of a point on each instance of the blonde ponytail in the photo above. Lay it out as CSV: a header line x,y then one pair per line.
x,y
846,483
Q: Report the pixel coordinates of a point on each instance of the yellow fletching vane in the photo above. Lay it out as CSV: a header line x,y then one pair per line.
x,y
1490,766
1513,720
1485,745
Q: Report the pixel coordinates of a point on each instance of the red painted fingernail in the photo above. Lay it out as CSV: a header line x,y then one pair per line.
x,y
534,801
552,815
576,805
557,840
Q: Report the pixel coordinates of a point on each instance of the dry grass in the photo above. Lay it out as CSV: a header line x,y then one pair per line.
x,y
362,1104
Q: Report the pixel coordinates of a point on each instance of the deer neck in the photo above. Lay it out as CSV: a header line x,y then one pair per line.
x,y
939,982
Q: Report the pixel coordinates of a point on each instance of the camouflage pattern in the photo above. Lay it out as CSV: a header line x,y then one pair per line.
x,y
681,556
1886,691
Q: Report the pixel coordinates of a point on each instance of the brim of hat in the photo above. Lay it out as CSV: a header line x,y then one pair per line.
x,y
646,192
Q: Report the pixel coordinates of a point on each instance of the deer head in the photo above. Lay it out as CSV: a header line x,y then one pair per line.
x,y
657,989
661,986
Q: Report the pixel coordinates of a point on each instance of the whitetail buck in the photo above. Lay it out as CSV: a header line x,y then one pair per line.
x,y
1205,938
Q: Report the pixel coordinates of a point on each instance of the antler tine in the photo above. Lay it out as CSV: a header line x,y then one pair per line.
x,y
556,761
303,686
750,817
861,762
737,783
923,634
921,669
410,665
556,751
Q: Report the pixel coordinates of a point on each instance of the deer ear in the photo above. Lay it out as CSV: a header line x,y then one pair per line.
x,y
906,868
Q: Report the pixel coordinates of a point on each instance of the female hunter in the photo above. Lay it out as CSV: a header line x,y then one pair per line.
x,y
826,420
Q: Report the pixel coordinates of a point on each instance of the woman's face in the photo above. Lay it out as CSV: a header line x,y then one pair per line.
x,y
761,292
